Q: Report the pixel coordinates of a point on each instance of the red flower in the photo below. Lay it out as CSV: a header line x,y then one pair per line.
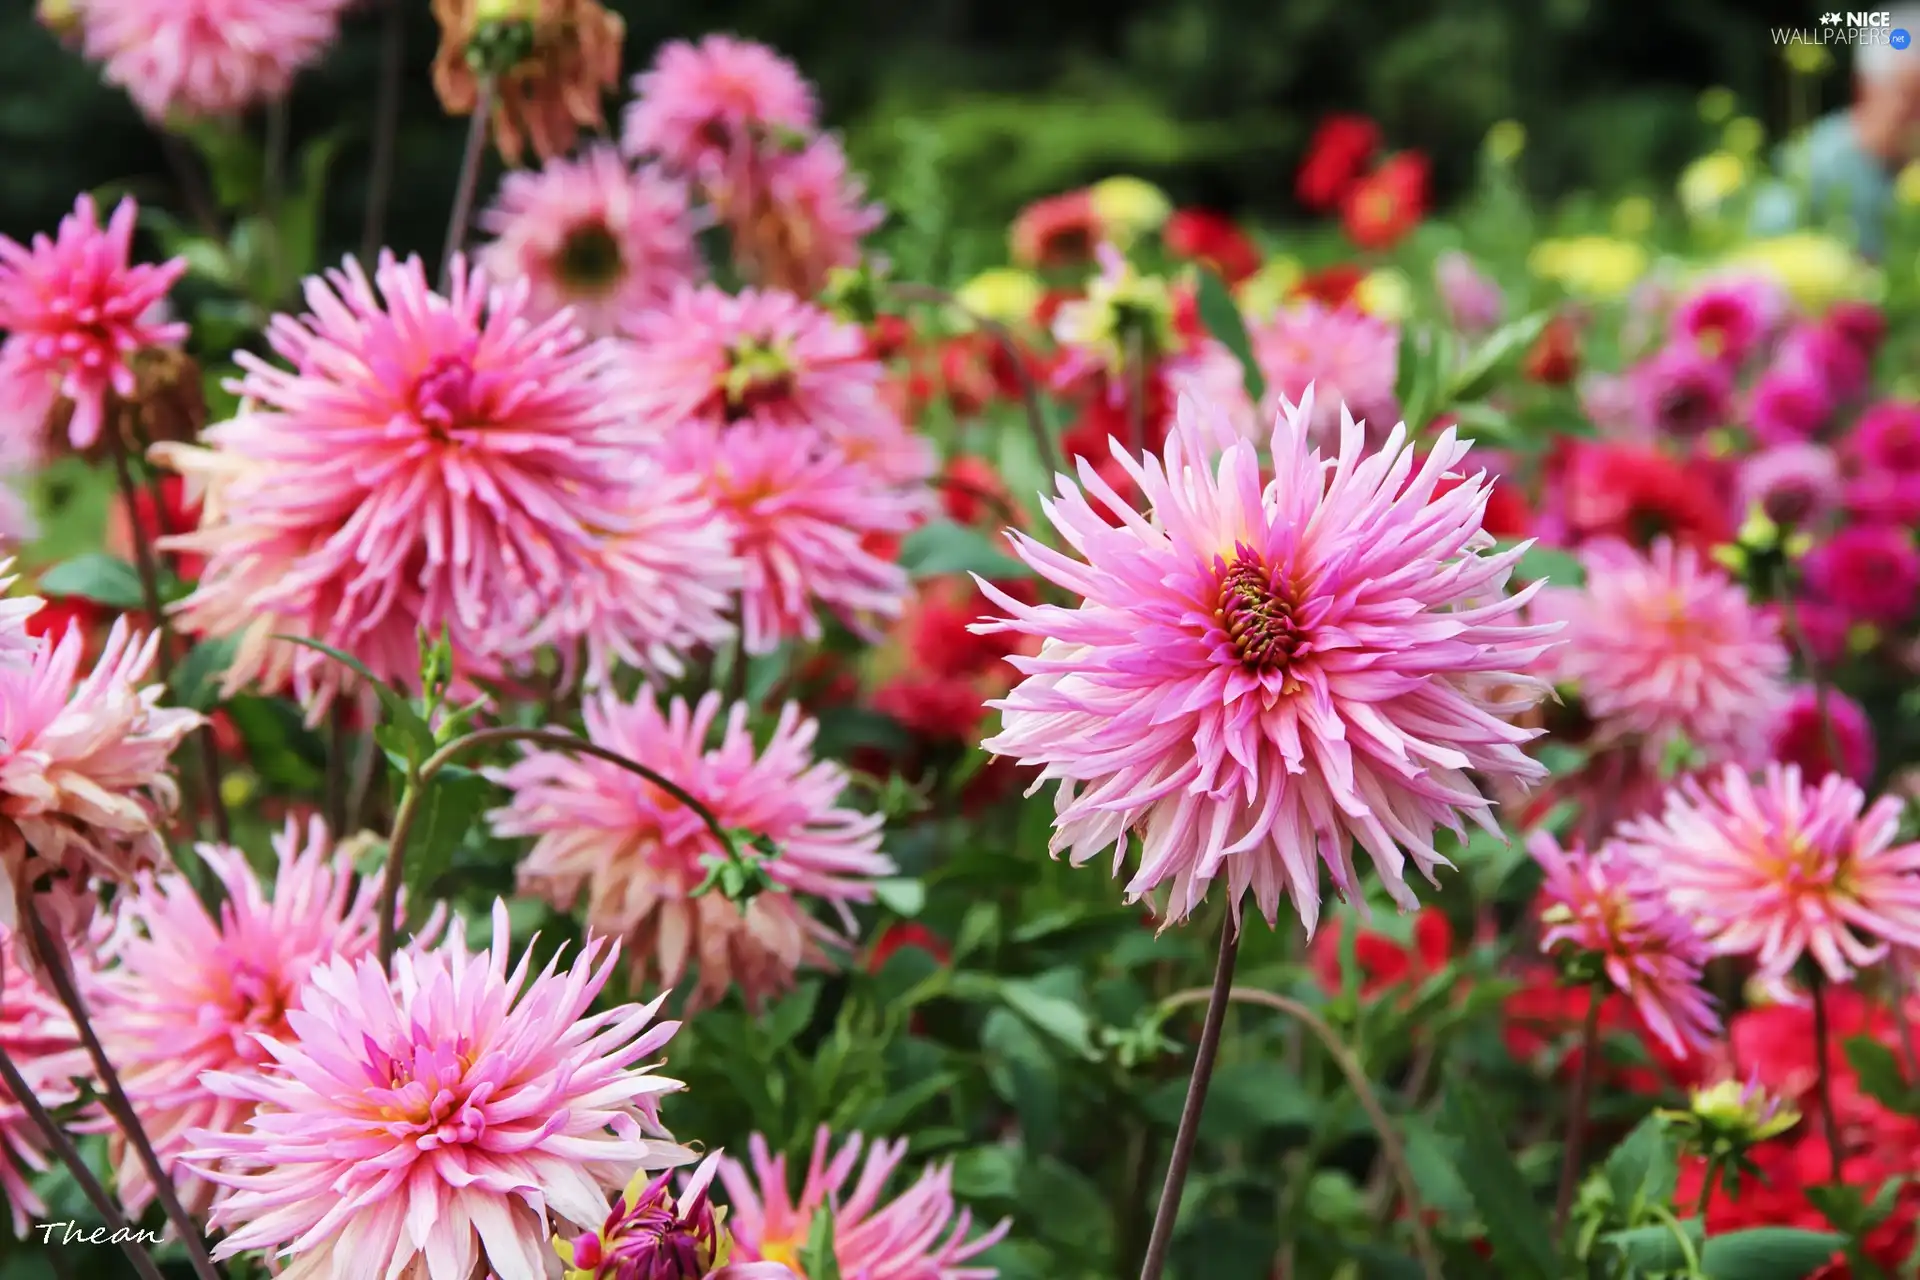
x,y
1554,358
180,516
888,336
1057,231
936,708
1047,310
58,614
1384,962
1339,151
1545,1015
973,492
902,934
1332,286
1861,323
938,633
1634,493
1198,235
1380,209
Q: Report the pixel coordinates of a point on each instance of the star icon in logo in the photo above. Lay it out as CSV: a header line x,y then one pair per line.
x,y
1830,19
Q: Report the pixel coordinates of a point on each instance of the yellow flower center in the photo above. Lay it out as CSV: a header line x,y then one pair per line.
x,y
785,1252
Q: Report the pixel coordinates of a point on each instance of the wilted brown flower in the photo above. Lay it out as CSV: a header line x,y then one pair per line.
x,y
552,91
168,403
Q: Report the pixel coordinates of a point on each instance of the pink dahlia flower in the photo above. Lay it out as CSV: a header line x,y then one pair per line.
x,y
1796,485
1664,647
1785,868
442,1123
1883,457
75,309
592,234
1260,675
17,646
1350,359
17,525
426,461
40,1039
1871,573
804,518
1682,392
701,106
1473,302
1730,320
1789,404
1612,909
84,780
918,1235
655,1234
183,993
206,57
1831,355
801,215
639,854
1824,730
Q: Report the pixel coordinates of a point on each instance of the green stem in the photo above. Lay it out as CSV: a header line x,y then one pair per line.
x,y
1029,391
1578,1101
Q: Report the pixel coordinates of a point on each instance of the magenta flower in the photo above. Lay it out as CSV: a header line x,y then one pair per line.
x,y
84,776
75,309
1869,572
1882,454
592,234
40,1039
1261,676
1349,358
206,57
445,1121
638,853
654,1234
1473,302
901,1239
701,106
1818,724
1662,648
1797,485
184,993
427,461
1789,404
1786,868
1611,911
1830,354
1682,392
1729,320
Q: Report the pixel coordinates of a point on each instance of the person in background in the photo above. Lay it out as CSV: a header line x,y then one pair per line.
x,y
1843,168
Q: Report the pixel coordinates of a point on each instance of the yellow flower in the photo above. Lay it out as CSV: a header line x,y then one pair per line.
x,y
1266,290
1745,1113
1006,294
1816,269
1596,266
1807,59
1707,182
1633,217
1906,187
1716,104
1506,140
1128,207
1743,136
1118,310
1385,293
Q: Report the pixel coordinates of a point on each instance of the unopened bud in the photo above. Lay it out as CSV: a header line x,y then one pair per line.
x,y
62,17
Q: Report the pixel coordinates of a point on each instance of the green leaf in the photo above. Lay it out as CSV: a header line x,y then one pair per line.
x,y
1434,1166
943,547
786,1020
1516,1225
819,1260
1060,1018
1476,376
1561,568
103,579
905,897
1768,1253
986,1173
1644,1168
1221,315
196,681
299,217
455,798
1654,1249
400,710
1243,1098
1880,1075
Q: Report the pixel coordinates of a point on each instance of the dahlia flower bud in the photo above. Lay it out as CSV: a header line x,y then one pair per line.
x,y
651,1235
551,61
1725,1121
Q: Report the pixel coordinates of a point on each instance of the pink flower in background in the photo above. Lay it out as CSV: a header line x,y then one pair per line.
x,y
1861,323
1614,909
1828,353
1869,572
804,215
1210,373
1816,725
17,525
701,105
1790,403
1263,675
40,1039
426,461
921,1234
446,1121
84,776
1794,484
638,853
592,234
1663,647
1349,358
1609,402
1785,868
804,520
183,993
1729,320
75,308
206,57
1473,302
1682,393
17,647
1882,456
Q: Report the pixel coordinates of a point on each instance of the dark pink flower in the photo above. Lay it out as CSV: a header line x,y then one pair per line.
x,y
1830,355
1792,484
1790,402
1728,320
1872,572
1683,393
1818,723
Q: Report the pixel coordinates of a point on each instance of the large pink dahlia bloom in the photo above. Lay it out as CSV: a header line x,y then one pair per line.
x,y
700,107
180,993
637,852
1259,676
426,461
918,1235
40,1039
1664,647
442,1123
206,57
75,309
1612,909
594,235
1782,868
84,779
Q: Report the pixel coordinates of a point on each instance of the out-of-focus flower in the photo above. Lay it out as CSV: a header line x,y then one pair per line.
x,y
1384,961
75,309
202,58
1554,357
549,95
1331,286
1794,485
593,235
1744,136
1665,648
1056,231
1128,208
1474,303
801,218
39,1038
1632,217
704,108
1544,1020
1817,724
1351,360
1505,140
184,993
1789,405
1267,289
1683,393
1005,294
1872,572
84,781
1717,103
1828,354
496,1100
1882,457
1786,868
1213,240
1387,294
1596,266
1860,322
1611,914
1340,150
1124,316
1608,401
1380,209
1134,687
638,853
1729,319
1816,269
1600,490
920,1233
1709,182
